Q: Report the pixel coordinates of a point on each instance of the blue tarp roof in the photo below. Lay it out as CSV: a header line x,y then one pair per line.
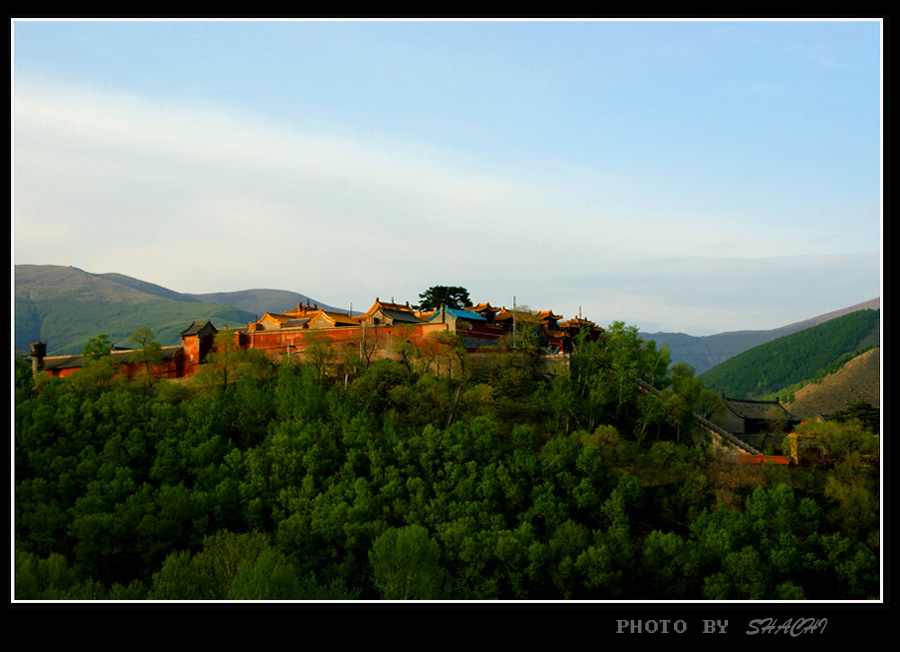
x,y
459,314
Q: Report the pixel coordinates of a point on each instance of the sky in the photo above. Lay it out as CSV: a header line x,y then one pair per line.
x,y
695,176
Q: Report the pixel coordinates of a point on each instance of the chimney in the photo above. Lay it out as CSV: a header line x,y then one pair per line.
x,y
38,351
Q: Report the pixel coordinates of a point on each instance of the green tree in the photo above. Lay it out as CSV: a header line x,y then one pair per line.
x,y
42,579
745,576
444,295
24,381
269,577
99,367
319,350
528,336
97,347
406,564
861,411
219,561
177,579
697,399
134,590
667,563
228,361
149,351
401,344
856,567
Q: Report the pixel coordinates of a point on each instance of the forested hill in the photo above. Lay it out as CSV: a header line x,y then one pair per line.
x,y
342,478
704,353
796,358
66,306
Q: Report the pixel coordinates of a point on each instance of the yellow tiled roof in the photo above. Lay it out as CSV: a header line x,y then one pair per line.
x,y
387,305
336,318
277,317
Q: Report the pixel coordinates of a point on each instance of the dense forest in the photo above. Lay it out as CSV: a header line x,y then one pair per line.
x,y
435,475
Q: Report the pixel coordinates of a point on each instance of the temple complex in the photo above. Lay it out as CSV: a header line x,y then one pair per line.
x,y
284,334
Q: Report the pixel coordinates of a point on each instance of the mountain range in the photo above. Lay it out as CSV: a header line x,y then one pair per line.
x,y
780,367
705,352
66,306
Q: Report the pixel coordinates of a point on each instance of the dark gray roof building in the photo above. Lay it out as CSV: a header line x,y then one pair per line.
x,y
746,417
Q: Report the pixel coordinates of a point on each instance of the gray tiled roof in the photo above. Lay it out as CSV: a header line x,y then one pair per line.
x,y
119,357
197,327
755,409
401,316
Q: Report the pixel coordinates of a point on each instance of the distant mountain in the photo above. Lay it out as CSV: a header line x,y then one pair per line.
x,y
66,306
796,358
704,353
144,287
259,302
255,301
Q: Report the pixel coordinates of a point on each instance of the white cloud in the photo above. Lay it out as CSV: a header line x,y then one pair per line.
x,y
100,181
202,200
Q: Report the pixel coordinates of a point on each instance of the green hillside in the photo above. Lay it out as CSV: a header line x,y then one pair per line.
x,y
65,306
705,352
794,358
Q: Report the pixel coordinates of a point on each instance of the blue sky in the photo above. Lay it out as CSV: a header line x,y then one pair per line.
x,y
694,176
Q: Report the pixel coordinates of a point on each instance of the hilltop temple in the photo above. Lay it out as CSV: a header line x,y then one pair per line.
x,y
282,335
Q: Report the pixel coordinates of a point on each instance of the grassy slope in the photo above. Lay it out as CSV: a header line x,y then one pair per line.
x,y
858,380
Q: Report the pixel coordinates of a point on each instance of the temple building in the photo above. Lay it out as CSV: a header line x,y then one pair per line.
x,y
755,422
173,361
473,328
745,417
389,314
